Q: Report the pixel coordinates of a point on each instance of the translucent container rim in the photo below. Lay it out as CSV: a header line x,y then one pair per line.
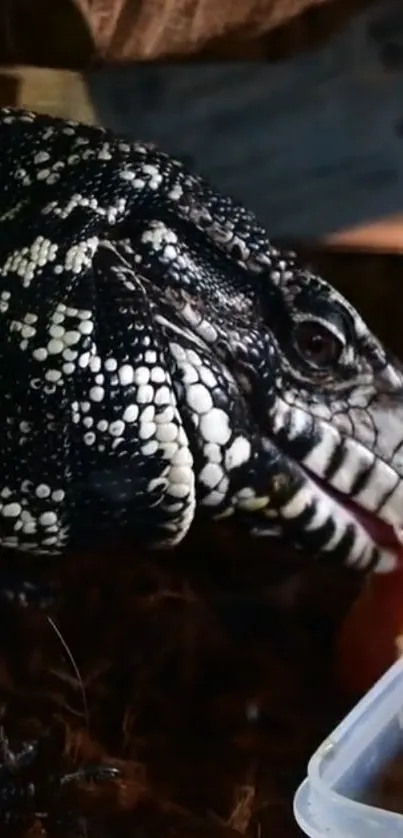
x,y
385,699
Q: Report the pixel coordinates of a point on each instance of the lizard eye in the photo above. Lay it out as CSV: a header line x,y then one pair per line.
x,y
317,344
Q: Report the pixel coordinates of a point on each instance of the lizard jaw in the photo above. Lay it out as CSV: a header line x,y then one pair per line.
x,y
387,537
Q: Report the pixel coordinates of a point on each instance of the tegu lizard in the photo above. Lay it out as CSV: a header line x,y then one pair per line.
x,y
161,358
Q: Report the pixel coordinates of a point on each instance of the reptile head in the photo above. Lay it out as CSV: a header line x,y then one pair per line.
x,y
337,411
323,392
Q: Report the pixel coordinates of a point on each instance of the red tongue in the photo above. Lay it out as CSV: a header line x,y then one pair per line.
x,y
382,533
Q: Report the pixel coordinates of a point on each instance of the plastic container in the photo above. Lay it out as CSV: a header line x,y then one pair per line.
x,y
330,802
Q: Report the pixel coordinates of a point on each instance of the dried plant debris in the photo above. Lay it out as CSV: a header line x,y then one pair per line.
x,y
177,694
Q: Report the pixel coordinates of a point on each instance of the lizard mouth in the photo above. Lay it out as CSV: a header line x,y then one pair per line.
x,y
328,522
383,534
362,528
380,532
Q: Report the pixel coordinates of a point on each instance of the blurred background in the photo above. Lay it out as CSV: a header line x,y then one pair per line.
x,y
292,106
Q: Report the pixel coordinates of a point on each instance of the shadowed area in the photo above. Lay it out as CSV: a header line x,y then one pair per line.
x,y
206,682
